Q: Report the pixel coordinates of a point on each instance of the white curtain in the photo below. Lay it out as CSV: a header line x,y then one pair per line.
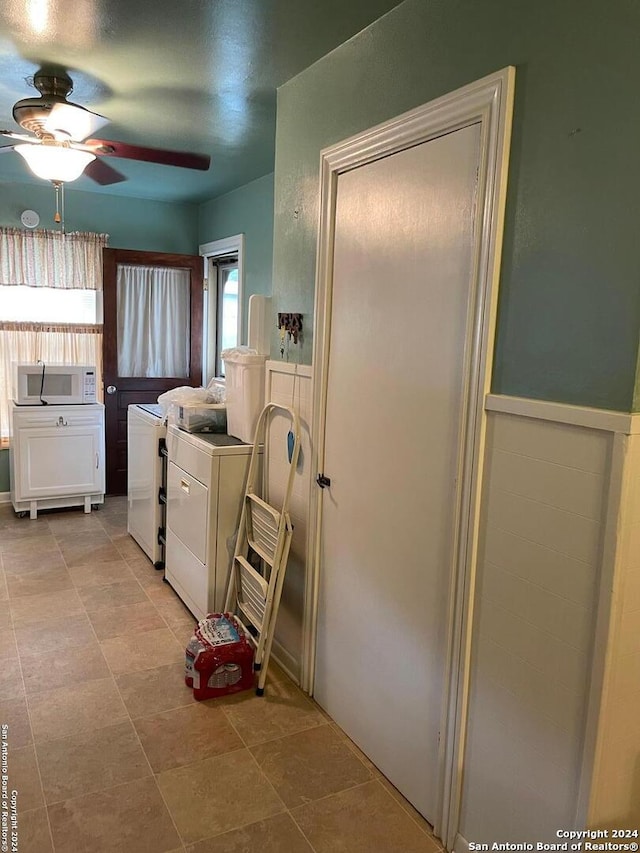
x,y
56,260
153,321
51,258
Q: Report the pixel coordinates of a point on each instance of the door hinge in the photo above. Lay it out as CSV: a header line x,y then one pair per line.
x,y
205,284
323,482
162,447
162,536
162,496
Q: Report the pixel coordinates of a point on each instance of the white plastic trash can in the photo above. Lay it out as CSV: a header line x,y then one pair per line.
x,y
244,378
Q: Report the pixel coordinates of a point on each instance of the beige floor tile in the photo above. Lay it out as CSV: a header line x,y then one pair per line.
x,y
36,581
184,735
282,710
361,820
75,709
108,595
309,765
183,631
23,563
173,611
142,651
114,524
84,763
218,794
32,609
24,778
356,750
21,530
161,591
129,548
33,832
8,648
98,574
128,619
129,817
73,522
64,667
152,691
277,834
87,549
6,620
28,547
406,805
54,635
11,684
144,572
14,714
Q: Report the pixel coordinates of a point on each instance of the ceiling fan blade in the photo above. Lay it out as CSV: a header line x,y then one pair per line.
x,y
22,137
185,159
102,173
73,122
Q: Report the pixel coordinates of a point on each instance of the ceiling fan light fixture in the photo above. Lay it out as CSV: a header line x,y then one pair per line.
x,y
55,162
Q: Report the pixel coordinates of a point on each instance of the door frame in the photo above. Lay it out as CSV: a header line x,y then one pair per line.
x,y
488,102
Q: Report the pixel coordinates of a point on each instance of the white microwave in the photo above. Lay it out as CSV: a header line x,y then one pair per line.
x,y
56,384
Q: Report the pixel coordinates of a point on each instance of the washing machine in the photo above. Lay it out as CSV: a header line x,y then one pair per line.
x,y
146,441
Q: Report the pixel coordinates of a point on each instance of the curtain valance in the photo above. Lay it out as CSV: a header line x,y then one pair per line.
x,y
45,258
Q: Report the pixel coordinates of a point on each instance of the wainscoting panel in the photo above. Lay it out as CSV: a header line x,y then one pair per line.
x,y
616,788
290,385
542,524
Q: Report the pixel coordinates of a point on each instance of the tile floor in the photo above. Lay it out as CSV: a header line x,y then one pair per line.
x,y
107,749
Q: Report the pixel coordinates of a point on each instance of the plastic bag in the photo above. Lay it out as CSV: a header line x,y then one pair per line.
x,y
182,396
217,390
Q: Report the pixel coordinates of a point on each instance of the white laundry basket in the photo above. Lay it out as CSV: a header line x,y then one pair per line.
x,y
244,375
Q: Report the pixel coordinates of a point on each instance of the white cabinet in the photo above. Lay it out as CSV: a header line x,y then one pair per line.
x,y
56,457
205,486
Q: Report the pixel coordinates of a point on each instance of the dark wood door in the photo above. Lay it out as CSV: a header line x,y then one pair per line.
x,y
123,390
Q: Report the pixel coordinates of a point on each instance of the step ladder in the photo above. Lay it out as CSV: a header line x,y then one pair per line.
x,y
263,541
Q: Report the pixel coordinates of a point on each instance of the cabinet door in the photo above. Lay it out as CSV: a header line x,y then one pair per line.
x,y
57,461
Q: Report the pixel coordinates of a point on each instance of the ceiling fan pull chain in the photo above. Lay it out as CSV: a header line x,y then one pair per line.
x,y
59,218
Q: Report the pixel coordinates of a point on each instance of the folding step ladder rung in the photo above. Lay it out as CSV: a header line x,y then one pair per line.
x,y
252,592
263,524
266,531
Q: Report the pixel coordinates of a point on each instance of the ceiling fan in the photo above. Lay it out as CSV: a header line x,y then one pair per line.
x,y
58,147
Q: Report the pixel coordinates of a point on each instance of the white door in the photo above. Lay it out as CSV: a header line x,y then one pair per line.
x,y
401,305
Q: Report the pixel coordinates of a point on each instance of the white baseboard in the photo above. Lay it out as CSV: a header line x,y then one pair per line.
x,y
5,497
286,661
460,845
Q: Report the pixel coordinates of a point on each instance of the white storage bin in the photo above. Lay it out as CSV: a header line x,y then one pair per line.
x,y
244,374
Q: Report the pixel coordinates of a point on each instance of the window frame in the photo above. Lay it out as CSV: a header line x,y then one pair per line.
x,y
211,253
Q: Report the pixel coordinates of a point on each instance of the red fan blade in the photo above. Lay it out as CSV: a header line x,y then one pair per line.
x,y
102,173
187,160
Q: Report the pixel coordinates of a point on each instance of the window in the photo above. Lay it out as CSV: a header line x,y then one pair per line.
x,y
227,302
50,303
224,263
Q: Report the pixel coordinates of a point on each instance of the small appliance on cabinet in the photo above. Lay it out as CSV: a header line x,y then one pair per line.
x,y
56,456
146,434
205,484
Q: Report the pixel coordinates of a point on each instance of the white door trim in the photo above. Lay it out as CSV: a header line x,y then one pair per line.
x,y
216,249
488,102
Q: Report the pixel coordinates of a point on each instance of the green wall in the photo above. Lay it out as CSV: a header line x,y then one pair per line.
x,y
131,223
569,309
158,226
249,211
